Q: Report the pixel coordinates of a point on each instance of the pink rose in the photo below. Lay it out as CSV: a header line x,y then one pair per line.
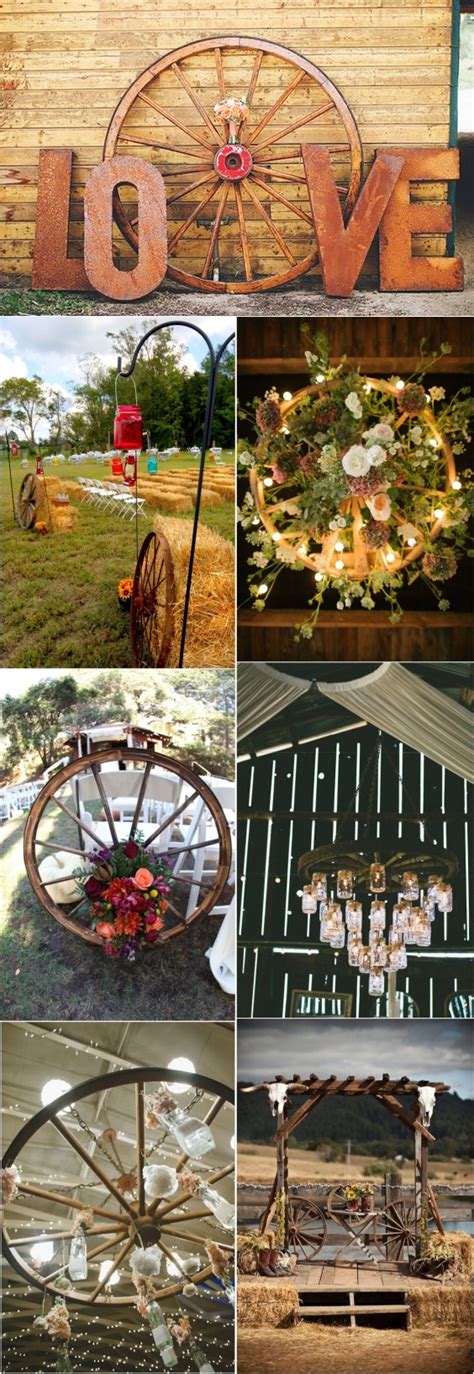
x,y
143,879
379,505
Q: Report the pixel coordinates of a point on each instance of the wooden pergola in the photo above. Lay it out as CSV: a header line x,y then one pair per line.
x,y
302,1095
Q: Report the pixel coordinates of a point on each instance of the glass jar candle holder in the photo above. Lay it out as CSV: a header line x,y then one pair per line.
x,y
378,954
376,983
354,947
377,877
308,902
432,888
319,886
429,909
354,917
410,931
338,938
400,914
364,959
345,882
377,915
445,897
410,886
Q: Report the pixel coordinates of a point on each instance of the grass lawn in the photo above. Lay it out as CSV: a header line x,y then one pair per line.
x,y
60,605
49,973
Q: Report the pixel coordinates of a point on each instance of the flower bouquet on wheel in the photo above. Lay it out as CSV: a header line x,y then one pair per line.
x,y
126,895
355,480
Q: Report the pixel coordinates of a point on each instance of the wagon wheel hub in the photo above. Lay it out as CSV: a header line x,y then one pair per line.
x,y
145,1229
233,162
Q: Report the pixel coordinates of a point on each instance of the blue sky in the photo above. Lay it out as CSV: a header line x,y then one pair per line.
x,y
52,346
437,1050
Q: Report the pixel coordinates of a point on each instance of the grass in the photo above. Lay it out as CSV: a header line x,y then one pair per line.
x,y
257,1165
49,973
25,301
60,605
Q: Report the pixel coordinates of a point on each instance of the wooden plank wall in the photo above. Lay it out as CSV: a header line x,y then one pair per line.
x,y
274,348
69,61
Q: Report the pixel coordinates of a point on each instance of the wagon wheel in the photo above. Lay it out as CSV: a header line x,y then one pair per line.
x,y
61,821
153,603
267,504
110,1182
239,216
28,498
307,1227
396,1228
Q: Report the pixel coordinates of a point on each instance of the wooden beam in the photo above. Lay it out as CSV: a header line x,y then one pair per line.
x,y
397,1110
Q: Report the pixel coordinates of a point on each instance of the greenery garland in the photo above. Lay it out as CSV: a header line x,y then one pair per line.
x,y
350,481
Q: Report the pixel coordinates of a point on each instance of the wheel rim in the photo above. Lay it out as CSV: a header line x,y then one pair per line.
x,y
62,792
122,1215
375,558
152,618
28,501
307,1227
242,248
398,1224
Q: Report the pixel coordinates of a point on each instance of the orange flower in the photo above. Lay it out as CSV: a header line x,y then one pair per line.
x,y
143,879
157,925
125,588
106,930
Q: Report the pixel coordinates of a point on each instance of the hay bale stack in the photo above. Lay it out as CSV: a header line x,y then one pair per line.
x,y
441,1304
210,634
209,497
266,1302
63,517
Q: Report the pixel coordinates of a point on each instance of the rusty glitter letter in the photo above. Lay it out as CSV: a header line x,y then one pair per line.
x,y
343,249
52,269
399,271
98,225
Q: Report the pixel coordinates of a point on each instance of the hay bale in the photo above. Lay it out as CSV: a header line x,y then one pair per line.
x,y
266,1302
63,517
210,633
209,497
441,1303
463,1245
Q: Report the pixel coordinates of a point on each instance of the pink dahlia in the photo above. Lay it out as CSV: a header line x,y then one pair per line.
x,y
366,485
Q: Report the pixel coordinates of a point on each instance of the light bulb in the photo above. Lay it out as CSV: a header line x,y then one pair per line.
x,y
255,520
42,1251
400,386
278,880
284,429
433,443
276,537
183,1066
318,577
302,550
320,377
287,395
268,481
339,546
171,1268
457,485
262,589
438,512
390,557
339,562
104,1270
55,1087
411,543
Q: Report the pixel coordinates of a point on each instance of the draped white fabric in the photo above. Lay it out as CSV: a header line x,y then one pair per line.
x,y
221,955
263,691
409,709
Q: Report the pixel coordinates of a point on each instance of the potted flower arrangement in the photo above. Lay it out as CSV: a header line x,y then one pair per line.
x,y
125,897
124,590
439,1259
359,1196
355,480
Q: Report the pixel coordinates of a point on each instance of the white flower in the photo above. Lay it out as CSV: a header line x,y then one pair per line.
x,y
333,525
416,433
377,455
339,605
354,405
146,1262
259,559
306,630
356,462
379,505
408,531
367,602
286,555
379,434
341,522
247,459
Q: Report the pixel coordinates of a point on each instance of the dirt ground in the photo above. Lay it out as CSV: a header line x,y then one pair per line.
x,y
325,1350
256,1164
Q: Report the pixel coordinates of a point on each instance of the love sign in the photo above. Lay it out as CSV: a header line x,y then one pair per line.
x,y
384,205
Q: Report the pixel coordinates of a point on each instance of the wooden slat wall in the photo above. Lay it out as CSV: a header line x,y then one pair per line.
x,y
274,348
69,61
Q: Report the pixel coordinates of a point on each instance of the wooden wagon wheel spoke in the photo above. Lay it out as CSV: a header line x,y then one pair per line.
x,y
272,227
276,195
92,1164
68,848
140,1132
29,1240
169,820
105,802
28,499
232,260
290,128
140,798
307,1226
77,1203
154,570
122,1254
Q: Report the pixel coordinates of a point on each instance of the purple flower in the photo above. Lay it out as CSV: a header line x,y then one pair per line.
x,y
103,854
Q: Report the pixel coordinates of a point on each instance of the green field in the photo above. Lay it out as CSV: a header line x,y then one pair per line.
x,y
60,604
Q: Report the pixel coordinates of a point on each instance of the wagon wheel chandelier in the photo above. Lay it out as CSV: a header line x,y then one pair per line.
x,y
228,145
343,876
139,1205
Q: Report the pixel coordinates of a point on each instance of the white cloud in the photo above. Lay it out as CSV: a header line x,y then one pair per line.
x,y
188,363
12,367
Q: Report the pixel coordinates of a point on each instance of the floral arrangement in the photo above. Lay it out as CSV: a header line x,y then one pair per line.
x,y
125,589
188,1181
126,901
156,1103
440,1249
221,1260
354,1191
356,481
11,1179
232,108
181,1330
41,527
83,1221
56,1321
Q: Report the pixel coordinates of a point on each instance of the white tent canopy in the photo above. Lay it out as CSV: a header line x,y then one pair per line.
x,y
412,711
263,692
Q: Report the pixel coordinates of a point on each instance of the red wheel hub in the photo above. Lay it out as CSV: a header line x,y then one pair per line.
x,y
233,162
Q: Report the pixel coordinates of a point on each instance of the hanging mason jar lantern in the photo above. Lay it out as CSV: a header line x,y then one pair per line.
x,y
200,1359
338,938
345,882
77,1265
445,897
39,465
378,954
152,465
319,886
128,427
191,1134
308,902
377,915
354,917
376,983
377,877
429,908
63,1363
117,470
432,888
354,947
364,959
161,1336
410,886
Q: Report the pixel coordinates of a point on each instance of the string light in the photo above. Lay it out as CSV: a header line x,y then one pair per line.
x,y
287,395
456,485
262,589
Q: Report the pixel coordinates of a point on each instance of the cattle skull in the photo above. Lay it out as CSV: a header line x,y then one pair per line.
x,y
426,1100
277,1096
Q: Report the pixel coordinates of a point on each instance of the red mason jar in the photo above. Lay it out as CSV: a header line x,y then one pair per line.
x,y
128,427
117,470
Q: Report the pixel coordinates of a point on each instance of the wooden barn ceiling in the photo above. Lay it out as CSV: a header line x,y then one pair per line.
x,y
276,346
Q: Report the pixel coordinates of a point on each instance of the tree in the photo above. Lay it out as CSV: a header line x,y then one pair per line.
x,y
57,407
33,722
23,403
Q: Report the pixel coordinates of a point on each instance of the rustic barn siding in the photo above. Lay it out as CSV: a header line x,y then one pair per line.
x,y
69,61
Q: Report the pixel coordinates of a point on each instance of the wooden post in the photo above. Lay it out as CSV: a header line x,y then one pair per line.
x,y
392,1003
421,1194
282,1173
393,1192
